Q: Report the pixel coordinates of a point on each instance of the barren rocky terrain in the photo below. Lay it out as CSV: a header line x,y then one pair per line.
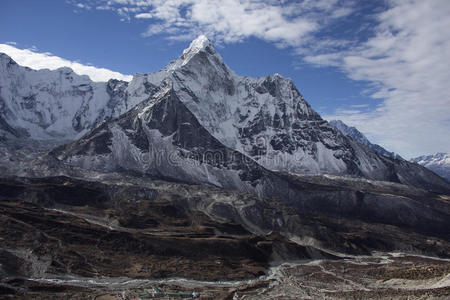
x,y
138,238
379,276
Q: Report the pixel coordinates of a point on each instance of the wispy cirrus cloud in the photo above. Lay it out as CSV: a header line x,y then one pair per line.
x,y
281,22
407,63
45,60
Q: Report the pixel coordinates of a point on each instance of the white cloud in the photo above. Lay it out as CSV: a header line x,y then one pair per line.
x,y
359,105
407,62
35,60
281,22
143,16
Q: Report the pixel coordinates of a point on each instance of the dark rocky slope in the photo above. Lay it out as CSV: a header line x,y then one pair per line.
x,y
134,227
62,226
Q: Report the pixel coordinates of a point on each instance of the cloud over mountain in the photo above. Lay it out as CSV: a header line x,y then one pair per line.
x,y
406,62
43,60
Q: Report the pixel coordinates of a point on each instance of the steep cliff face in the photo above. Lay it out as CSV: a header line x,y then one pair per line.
x,y
161,138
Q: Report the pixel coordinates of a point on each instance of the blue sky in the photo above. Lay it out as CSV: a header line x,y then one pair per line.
x,y
382,66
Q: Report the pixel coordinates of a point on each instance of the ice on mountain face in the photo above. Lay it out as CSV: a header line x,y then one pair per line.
x,y
197,46
200,43
56,105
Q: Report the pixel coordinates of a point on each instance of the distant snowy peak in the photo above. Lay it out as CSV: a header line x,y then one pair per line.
x,y
438,163
350,131
438,158
355,134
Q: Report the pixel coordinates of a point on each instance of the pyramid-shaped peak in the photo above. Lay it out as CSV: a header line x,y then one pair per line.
x,y
199,44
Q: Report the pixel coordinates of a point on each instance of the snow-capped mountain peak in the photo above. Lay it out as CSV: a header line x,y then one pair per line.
x,y
438,163
198,50
264,118
197,45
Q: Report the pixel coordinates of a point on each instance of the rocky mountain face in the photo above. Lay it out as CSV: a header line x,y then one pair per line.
x,y
161,138
265,119
58,105
438,163
355,134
